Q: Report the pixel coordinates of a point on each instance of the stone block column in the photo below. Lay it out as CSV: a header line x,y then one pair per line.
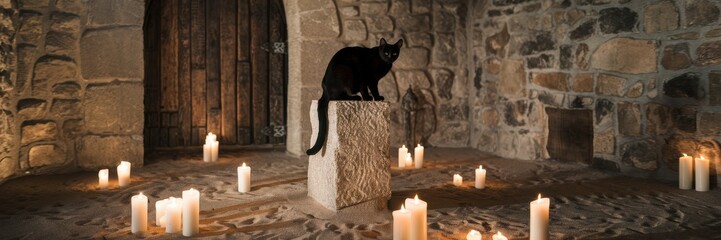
x,y
353,168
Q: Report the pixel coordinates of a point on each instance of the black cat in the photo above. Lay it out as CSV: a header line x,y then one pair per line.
x,y
353,70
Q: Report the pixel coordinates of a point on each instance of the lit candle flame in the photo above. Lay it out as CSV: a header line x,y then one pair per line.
x,y
684,155
499,234
480,166
404,146
244,164
539,196
403,207
702,158
141,194
419,145
416,199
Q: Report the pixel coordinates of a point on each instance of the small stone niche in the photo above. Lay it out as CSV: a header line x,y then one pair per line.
x,y
570,135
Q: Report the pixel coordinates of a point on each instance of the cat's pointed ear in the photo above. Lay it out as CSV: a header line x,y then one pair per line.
x,y
383,41
400,43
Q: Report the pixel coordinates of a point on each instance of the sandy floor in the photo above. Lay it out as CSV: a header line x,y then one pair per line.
x,y
585,203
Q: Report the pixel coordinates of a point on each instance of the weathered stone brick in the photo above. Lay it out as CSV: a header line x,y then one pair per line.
x,y
38,131
615,20
676,57
660,17
626,55
556,80
610,85
583,83
701,12
629,119
605,142
512,80
641,154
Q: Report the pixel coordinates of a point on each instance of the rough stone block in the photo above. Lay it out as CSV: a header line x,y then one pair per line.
x,y
411,58
36,132
116,12
354,165
513,78
44,155
95,152
112,53
114,108
662,16
626,55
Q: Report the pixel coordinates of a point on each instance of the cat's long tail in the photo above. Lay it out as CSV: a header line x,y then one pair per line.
x,y
322,125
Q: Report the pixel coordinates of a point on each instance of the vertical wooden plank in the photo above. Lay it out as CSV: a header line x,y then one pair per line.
x,y
169,56
276,88
197,62
213,65
184,84
244,117
228,55
152,75
259,30
243,30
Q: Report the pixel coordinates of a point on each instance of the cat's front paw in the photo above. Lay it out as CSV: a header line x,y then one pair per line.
x,y
379,98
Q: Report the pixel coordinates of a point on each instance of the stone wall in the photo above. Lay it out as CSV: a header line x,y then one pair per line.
x,y
74,98
649,70
433,60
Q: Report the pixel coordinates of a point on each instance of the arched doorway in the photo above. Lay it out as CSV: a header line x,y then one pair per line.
x,y
215,66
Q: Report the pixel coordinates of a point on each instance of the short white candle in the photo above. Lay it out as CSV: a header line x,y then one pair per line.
x,y
401,224
402,156
419,156
123,174
473,235
457,180
539,218
173,213
103,178
419,218
409,160
685,172
191,212
207,156
244,178
702,174
139,213
160,212
499,236
480,177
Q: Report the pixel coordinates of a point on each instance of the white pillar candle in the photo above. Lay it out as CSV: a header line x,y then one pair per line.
x,y
539,218
206,153
173,213
139,213
214,146
103,178
401,224
702,174
123,173
402,156
160,212
419,156
191,212
409,160
685,172
499,236
457,180
473,235
244,178
419,218
480,177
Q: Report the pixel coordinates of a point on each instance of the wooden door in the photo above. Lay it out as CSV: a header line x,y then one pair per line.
x,y
215,66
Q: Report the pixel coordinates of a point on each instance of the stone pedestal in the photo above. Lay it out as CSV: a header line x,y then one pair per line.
x,y
353,168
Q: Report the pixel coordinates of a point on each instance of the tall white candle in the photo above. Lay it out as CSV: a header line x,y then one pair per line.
x,y
160,212
539,218
419,218
191,212
409,160
244,178
685,172
103,178
419,156
480,177
173,213
499,236
402,156
214,150
123,173
139,213
457,180
473,235
702,174
401,224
